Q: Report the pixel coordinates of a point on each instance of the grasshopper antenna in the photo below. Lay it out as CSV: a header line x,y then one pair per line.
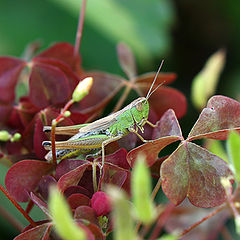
x,y
150,89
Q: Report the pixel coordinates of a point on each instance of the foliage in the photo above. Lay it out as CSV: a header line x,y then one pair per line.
x,y
39,92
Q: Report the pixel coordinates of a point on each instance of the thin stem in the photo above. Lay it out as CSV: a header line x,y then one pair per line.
x,y
155,190
161,221
80,28
20,209
202,220
54,158
94,175
122,99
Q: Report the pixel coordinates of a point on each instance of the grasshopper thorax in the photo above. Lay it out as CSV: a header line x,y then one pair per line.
x,y
140,111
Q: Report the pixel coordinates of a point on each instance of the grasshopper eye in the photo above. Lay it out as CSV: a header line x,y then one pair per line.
x,y
139,106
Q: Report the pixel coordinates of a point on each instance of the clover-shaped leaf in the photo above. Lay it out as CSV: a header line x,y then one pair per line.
x,y
194,172
221,115
23,177
40,232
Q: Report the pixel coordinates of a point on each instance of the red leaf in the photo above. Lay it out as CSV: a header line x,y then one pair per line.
x,y
221,115
168,98
77,199
126,60
87,213
76,189
167,126
23,177
40,232
150,150
41,204
105,86
44,184
64,52
194,172
72,178
73,78
48,85
5,112
145,80
10,69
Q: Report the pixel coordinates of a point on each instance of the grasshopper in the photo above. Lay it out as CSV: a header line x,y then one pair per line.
x,y
91,137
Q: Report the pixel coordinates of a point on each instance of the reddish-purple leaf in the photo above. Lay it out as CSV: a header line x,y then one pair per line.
x,y
77,199
87,213
67,165
167,126
76,189
64,52
73,177
5,112
96,231
40,232
151,150
73,78
168,98
114,175
100,202
48,85
221,115
23,177
10,69
145,80
105,86
126,60
44,184
118,158
182,217
194,172
40,203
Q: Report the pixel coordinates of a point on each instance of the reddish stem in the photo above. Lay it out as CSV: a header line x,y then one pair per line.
x,y
161,221
53,129
202,220
20,209
80,28
155,190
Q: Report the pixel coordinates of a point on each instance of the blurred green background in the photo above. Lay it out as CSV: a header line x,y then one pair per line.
x,y
183,32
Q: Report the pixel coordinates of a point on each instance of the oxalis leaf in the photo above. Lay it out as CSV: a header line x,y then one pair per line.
x,y
193,172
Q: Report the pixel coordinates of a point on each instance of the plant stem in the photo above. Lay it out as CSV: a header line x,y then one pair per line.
x,y
20,209
94,175
155,190
161,221
80,28
202,220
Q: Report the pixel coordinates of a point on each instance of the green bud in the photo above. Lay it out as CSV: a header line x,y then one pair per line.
x,y
82,89
5,136
16,137
67,114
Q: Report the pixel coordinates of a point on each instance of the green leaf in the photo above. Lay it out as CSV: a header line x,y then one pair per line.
x,y
205,82
233,146
123,221
141,191
62,218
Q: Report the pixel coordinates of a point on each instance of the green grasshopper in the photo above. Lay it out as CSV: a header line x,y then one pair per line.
x,y
91,137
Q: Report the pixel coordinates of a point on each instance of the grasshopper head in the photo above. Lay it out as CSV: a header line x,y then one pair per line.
x,y
140,111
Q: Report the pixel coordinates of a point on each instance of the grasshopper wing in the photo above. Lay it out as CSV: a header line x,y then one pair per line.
x,y
103,123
